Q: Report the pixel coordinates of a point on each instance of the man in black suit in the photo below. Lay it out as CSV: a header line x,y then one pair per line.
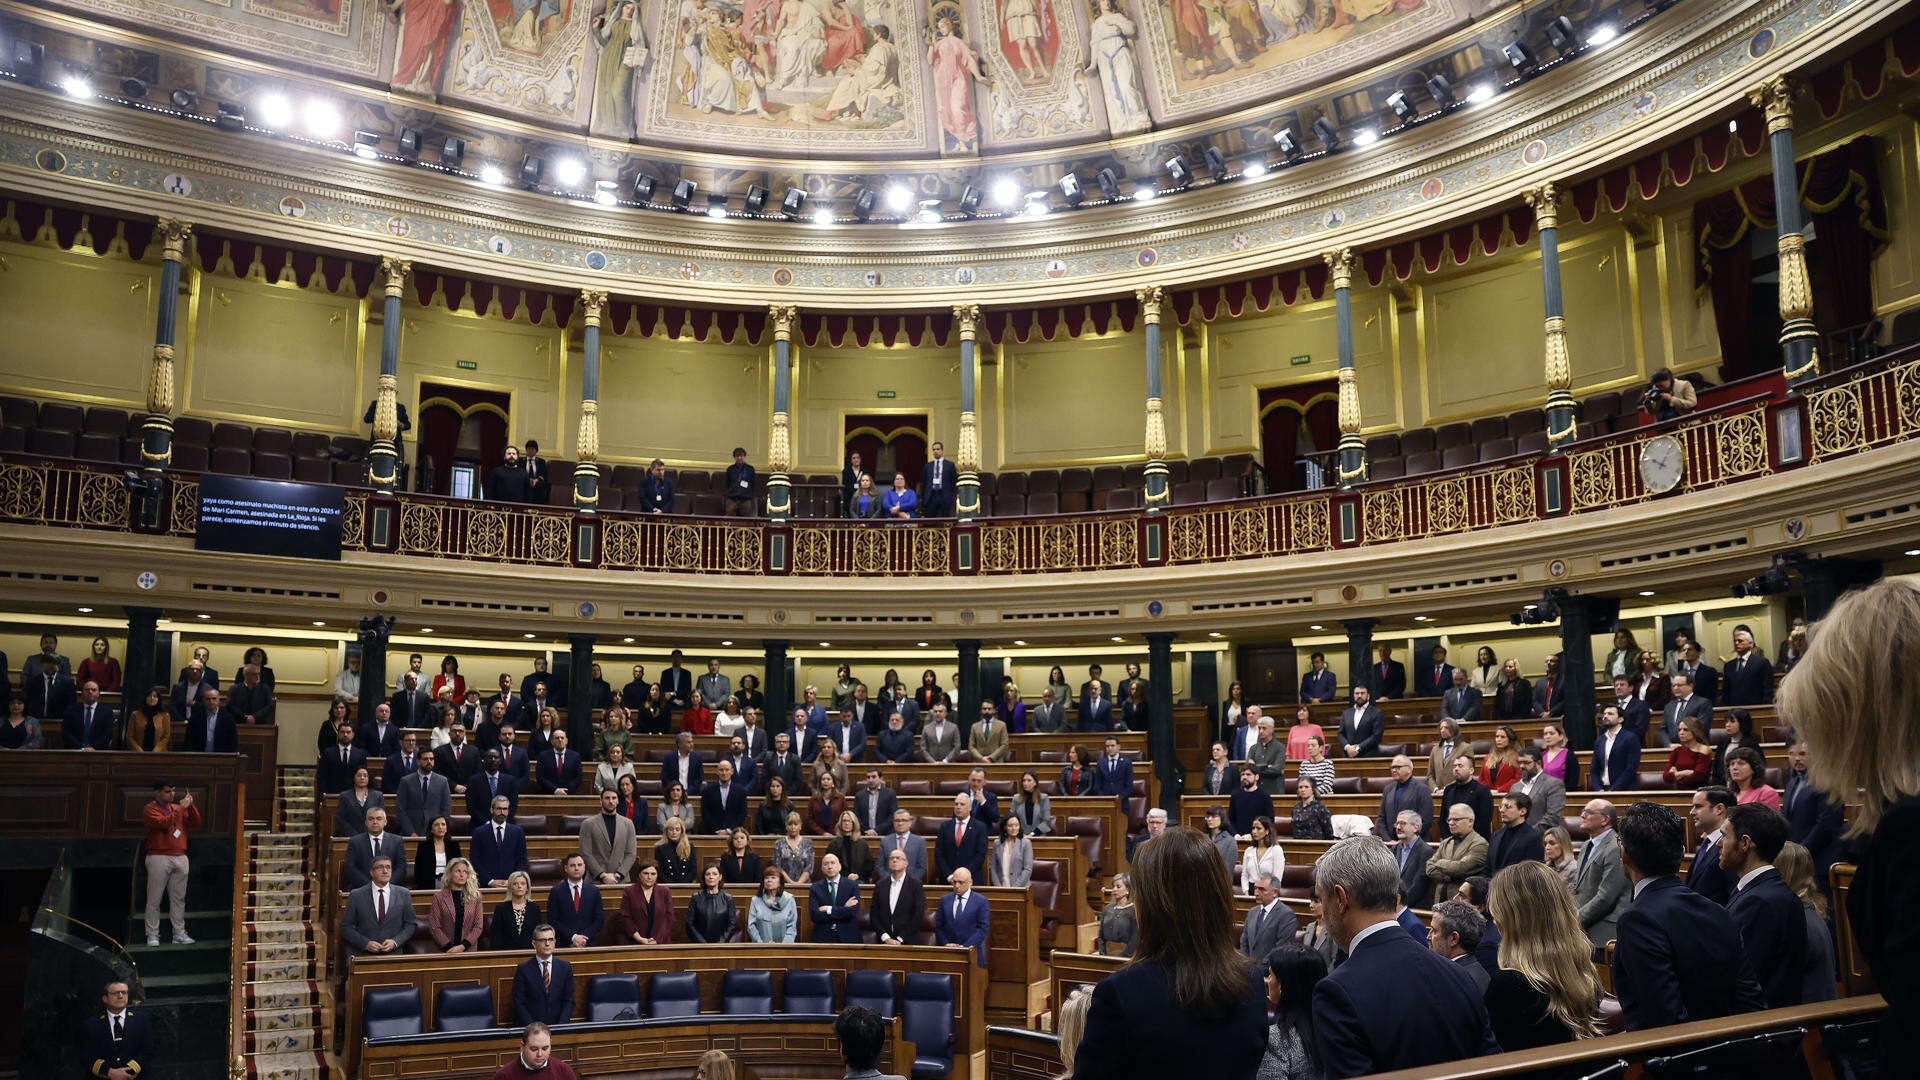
x,y
1393,1004
1686,702
1460,701
1436,676
559,770
1616,754
411,706
555,693
634,694
1637,715
508,698
487,784
211,727
539,487
252,699
676,683
938,478
1705,678
457,760
1677,955
1389,676
401,763
874,804
899,903
380,736
334,772
1515,840
513,760
194,680
1454,936
723,803
962,841
1411,852
1815,819
1709,812
782,762
574,907
1362,724
1771,919
117,1044
656,489
89,721
1403,792
1749,675
508,481
378,843
543,983
1550,693
49,694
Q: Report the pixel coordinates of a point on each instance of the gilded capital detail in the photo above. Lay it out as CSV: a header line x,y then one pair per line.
x,y
589,446
1156,431
386,419
1543,200
967,317
968,459
1559,363
593,304
1349,402
782,317
1149,299
1775,98
1341,264
779,445
396,271
174,235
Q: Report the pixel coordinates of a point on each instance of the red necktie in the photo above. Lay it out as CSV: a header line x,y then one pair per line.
x,y
379,906
546,976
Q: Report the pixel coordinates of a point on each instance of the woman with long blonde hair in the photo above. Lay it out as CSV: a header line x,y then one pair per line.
x,y
1071,1025
1817,983
1546,990
455,918
674,854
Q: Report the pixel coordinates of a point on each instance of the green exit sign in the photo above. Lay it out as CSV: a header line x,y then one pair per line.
x,y
469,365
1298,360
886,395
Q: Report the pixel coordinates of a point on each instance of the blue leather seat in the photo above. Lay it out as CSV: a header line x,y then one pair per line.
x,y
810,991
926,1021
392,1010
747,993
674,993
466,1007
873,989
613,997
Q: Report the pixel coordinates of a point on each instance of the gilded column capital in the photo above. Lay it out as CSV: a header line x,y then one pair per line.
x,y
783,317
968,318
1149,298
1544,200
593,303
1775,98
174,234
779,444
1341,264
396,271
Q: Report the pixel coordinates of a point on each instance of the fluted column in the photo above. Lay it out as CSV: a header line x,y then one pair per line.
x,y
1799,340
1157,495
383,460
586,474
966,504
156,451
1559,366
779,443
1353,452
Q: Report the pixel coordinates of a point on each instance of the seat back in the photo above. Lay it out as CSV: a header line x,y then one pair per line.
x,y
873,989
747,993
391,1010
673,993
463,1007
1853,1049
810,990
1043,482
926,1021
613,997
1043,502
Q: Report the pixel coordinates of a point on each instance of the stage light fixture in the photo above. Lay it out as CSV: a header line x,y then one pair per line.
x,y
1402,106
930,212
408,144
133,89
493,175
1252,167
322,118
683,192
606,193
716,204
569,172
1070,188
530,169
643,188
366,144
276,111
1365,137
185,101
231,117
1519,56
453,151
970,197
1482,92
1563,37
1109,184
27,58
823,215
1006,192
1145,191
77,85
899,197
863,204
1603,35
1329,135
756,200
1288,142
1216,164
1179,171
1440,89
1037,205
791,203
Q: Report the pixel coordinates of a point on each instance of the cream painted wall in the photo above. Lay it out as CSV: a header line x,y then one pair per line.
x,y
686,402
830,384
62,305
1081,400
1243,355
1896,270
309,336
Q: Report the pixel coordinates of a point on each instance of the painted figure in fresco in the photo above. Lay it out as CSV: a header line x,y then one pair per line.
x,y
846,35
1198,31
1244,30
727,82
1021,21
955,65
800,44
756,29
623,55
1116,62
873,86
426,30
523,23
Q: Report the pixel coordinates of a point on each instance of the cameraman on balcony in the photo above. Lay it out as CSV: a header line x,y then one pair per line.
x,y
1667,397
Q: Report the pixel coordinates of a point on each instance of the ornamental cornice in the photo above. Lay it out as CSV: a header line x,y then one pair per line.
x,y
1671,75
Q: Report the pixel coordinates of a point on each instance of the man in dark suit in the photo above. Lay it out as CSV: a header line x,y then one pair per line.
x,y
574,907
1411,851
1771,919
539,487
509,699
49,694
1616,754
422,795
456,760
1637,715
540,676
89,721
379,915
1389,676
1677,955
874,804
899,903
1515,840
1815,819
1455,936
117,1044
1270,923
1686,701
938,478
1550,693
1709,813
411,706
1749,675
782,762
1705,678
252,699
1318,683
378,843
380,736
683,766
513,759
195,678
1404,792
211,727
964,918
835,904
723,803
334,772
559,770
867,715
849,735
1435,677
543,984
1467,790
1113,771
676,682
961,843
1393,1004
1096,704
400,763
1460,701
489,784
499,847
1362,724
656,489
507,482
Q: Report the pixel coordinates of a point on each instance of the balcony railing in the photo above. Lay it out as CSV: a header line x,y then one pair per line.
x,y
1870,405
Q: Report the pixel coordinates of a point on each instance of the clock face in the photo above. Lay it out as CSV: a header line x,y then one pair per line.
x,y
1663,461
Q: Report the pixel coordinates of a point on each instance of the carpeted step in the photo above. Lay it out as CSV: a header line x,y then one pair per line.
x,y
285,932
282,1042
292,994
303,1065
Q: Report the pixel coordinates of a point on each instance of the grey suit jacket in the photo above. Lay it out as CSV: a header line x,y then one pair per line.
x,y
360,858
358,928
1549,795
1601,889
1042,823
1043,720
916,849
1270,761
944,747
602,857
1022,875
414,811
1263,932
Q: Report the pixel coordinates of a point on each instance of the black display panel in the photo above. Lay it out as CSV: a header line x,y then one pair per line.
x,y
269,517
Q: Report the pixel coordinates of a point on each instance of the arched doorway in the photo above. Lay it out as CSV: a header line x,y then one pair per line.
x,y
463,435
889,444
1299,428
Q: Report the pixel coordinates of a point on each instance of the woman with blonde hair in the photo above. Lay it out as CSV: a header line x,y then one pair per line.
x,y
1795,864
455,918
714,1065
515,917
1546,990
1070,1025
856,858
608,773
1558,845
674,854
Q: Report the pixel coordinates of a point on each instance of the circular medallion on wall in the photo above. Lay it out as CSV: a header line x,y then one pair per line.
x,y
783,276
172,184
293,206
780,615
1644,105
963,276
1534,152
587,609
1760,44
1155,608
966,616
1147,257
380,596
690,270
1432,188
872,279
596,260
1349,593
1334,219
52,161
399,226
499,245
1056,268
147,579
1240,242
1557,568
1794,528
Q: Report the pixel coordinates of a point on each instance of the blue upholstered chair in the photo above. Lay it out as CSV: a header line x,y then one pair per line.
x,y
466,1007
810,991
613,997
873,989
392,1010
926,1021
674,993
747,993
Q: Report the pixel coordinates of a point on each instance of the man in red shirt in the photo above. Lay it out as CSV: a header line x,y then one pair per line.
x,y
536,1060
167,824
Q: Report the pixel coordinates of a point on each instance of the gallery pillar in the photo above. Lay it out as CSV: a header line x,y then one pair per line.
x,y
1157,495
779,441
141,671
969,704
1360,655
383,460
1353,452
1826,579
1160,735
579,688
1559,367
586,474
967,493
156,451
777,691
1800,358
373,665
1580,618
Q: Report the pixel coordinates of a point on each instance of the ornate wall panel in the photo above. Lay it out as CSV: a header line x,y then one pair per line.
x,y
681,400
308,335
346,36
1035,54
522,56
1074,402
63,304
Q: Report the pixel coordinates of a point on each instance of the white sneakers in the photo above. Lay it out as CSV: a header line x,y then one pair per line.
x,y
182,939
153,942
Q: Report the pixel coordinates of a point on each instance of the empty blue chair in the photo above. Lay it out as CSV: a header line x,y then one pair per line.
x,y
392,1010
613,997
926,1021
674,993
747,993
873,989
810,991
467,1007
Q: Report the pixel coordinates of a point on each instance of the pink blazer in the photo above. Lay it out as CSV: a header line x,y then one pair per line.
x,y
440,922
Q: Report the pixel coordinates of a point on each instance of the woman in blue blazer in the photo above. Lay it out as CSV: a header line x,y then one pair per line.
x,y
900,502
865,502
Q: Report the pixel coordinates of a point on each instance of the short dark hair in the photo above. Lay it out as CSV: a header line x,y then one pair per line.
x,y
1653,838
1522,801
161,782
1456,917
1763,825
1315,656
1718,795
1477,887
862,1036
533,445
1662,374
739,450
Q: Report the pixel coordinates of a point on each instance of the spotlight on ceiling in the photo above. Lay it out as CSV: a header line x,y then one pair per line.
x,y
1252,167
1288,142
1071,189
1519,56
756,200
791,203
930,212
27,58
1037,204
1109,184
1402,107
232,117
453,151
1145,191
185,101
1179,171
1563,37
1603,35
716,204
77,85
1006,192
1329,135
1481,92
493,175
530,169
322,118
643,188
366,144
1440,89
899,198
970,198
133,89
276,111
1365,137
569,172
1216,163
683,191
408,144
823,215
863,204
606,193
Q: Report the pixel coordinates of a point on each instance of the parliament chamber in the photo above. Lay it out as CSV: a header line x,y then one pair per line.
x,y
749,538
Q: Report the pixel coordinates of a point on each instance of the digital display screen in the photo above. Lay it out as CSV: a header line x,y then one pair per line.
x,y
269,517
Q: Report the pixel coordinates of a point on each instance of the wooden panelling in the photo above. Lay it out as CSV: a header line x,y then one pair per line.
x,y
46,794
1020,1054
1855,977
259,754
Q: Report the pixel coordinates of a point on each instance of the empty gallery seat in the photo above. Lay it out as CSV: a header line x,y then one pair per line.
x,y
810,990
466,1007
746,993
674,993
613,997
926,1021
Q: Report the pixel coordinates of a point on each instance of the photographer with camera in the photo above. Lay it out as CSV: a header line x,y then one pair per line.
x,y
1667,397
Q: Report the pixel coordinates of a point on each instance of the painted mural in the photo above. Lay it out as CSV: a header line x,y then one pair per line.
x,y
1210,53
794,72
522,55
347,36
1032,55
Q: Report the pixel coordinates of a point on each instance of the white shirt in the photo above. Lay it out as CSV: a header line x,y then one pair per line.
x,y
1370,931
684,764
1712,837
899,886
1603,752
1747,878
380,899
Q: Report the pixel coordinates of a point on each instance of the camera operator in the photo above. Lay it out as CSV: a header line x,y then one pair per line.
x,y
1668,397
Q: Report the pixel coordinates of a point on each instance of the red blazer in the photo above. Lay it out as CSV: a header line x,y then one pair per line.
x,y
648,916
1499,775
823,816
1683,758
459,687
440,922
1658,694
